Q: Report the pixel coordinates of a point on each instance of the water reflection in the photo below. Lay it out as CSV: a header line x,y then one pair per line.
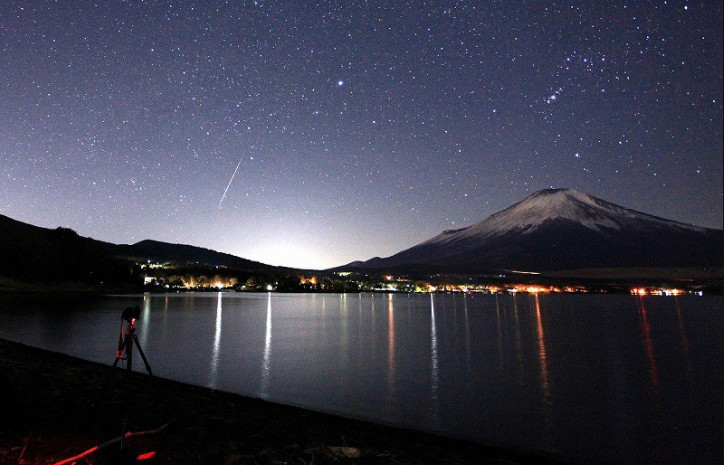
x,y
519,355
146,319
216,353
500,330
434,368
682,331
542,354
324,312
390,344
373,322
344,310
266,366
684,341
467,335
648,345
605,345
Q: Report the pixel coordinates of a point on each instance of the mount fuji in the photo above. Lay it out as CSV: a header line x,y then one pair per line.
x,y
556,229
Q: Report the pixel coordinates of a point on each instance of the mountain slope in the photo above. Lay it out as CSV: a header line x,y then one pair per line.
x,y
33,253
164,251
562,229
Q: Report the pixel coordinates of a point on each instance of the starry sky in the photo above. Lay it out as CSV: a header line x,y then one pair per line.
x,y
311,134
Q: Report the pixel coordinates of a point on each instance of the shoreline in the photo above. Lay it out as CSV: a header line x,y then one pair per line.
x,y
66,405
589,280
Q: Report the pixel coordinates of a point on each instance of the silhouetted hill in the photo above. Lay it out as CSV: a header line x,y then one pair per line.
x,y
34,254
186,254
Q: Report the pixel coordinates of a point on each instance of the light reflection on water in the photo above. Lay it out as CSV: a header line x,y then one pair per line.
x,y
614,379
266,366
542,353
390,347
500,330
649,346
434,367
145,316
216,354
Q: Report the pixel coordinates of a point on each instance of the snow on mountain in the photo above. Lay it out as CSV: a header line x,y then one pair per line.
x,y
558,204
562,229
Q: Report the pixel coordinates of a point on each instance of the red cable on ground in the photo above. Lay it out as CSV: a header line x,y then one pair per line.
x,y
115,441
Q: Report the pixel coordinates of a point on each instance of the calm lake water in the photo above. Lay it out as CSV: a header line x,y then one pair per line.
x,y
597,378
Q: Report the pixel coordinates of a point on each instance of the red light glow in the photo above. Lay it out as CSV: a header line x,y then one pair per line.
x,y
146,456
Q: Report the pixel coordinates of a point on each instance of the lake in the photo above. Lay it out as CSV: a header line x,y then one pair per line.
x,y
596,378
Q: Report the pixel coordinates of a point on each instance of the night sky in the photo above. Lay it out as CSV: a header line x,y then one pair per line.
x,y
311,134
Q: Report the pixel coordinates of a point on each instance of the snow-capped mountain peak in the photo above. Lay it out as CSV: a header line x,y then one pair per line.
x,y
568,204
562,229
555,205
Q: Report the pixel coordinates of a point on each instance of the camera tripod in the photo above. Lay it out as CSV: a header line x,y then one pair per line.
x,y
124,352
126,340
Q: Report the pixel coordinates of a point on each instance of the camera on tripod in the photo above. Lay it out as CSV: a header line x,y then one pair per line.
x,y
126,340
130,314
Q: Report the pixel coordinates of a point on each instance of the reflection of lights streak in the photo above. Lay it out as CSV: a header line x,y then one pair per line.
x,y
374,322
682,331
519,355
146,318
434,368
266,367
390,342
344,341
648,343
542,353
467,333
500,330
217,346
684,341
345,322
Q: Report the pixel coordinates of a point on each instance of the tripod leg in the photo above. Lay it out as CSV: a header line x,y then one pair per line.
x,y
143,356
129,368
121,349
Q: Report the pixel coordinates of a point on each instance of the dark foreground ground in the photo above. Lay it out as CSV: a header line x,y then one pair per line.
x,y
55,407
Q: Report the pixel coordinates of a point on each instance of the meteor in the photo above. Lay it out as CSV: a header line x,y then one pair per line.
x,y
230,181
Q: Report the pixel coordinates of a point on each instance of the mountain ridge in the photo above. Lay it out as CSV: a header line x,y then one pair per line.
x,y
558,229
35,253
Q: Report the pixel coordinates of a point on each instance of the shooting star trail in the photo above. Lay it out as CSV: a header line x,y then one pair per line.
x,y
223,196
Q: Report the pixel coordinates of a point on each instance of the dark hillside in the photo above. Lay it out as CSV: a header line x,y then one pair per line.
x,y
35,254
164,251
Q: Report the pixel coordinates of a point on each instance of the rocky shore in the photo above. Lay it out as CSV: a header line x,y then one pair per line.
x,y
57,407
